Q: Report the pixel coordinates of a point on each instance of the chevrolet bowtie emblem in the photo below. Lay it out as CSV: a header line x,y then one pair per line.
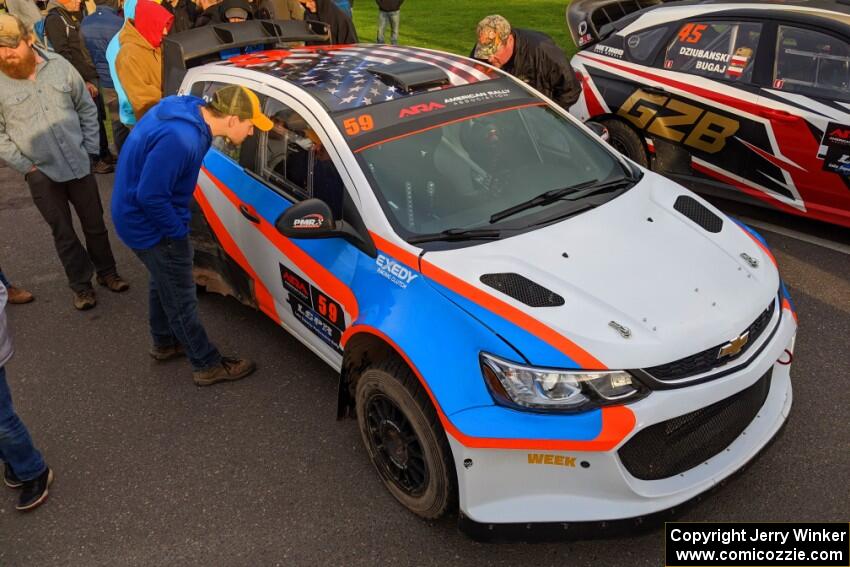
x,y
734,346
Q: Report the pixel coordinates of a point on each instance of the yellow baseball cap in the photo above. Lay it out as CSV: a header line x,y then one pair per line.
x,y
12,31
236,100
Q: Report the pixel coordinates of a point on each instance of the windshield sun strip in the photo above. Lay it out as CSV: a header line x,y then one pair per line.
x,y
447,123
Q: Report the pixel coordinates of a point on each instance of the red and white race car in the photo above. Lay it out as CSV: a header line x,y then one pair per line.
x,y
747,100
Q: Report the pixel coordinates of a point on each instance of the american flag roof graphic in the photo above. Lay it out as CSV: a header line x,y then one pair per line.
x,y
338,75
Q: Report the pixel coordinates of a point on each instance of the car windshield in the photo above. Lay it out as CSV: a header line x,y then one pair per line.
x,y
502,169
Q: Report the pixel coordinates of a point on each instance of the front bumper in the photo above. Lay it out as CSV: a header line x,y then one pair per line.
x,y
507,486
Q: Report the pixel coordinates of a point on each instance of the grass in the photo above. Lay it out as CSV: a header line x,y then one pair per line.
x,y
449,25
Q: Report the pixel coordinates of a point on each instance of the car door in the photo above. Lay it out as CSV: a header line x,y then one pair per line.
x,y
808,100
701,112
304,285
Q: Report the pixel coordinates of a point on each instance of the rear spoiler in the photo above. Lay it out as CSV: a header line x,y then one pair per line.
x,y
592,20
194,47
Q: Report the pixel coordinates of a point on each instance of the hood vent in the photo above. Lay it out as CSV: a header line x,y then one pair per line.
x,y
698,213
523,289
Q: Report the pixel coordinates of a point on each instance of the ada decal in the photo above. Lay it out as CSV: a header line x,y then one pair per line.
x,y
314,322
295,283
420,109
397,273
835,149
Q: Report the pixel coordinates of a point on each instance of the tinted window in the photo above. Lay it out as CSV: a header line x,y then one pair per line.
x,y
812,63
717,50
642,45
459,174
295,160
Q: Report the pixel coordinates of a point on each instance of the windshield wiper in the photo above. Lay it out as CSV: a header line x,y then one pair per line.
x,y
457,234
572,193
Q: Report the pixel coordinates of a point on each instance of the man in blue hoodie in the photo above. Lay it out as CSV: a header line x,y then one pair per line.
x,y
154,183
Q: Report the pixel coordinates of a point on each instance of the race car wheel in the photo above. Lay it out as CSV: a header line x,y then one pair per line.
x,y
625,140
405,440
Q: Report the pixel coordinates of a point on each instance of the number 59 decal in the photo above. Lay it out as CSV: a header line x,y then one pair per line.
x,y
362,123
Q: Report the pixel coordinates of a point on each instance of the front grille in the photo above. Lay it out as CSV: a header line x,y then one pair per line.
x,y
710,358
523,289
679,444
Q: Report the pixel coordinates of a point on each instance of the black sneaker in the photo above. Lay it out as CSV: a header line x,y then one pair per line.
x,y
34,492
9,478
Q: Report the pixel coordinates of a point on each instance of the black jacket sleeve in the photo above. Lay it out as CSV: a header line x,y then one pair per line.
x,y
557,78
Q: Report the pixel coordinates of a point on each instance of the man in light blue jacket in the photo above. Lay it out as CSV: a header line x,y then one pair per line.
x,y
24,466
125,109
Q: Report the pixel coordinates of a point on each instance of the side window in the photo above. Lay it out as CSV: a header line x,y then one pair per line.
x,y
717,50
243,153
294,159
812,63
642,45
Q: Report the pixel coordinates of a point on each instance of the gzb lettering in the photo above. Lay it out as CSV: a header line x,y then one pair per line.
x,y
678,121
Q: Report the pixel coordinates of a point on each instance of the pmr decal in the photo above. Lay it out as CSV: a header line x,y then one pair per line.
x,y
397,273
554,460
314,220
678,121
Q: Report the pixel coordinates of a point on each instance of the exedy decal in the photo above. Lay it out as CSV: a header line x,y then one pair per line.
x,y
678,121
397,273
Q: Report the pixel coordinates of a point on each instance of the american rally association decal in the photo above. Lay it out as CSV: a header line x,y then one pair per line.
x,y
315,310
835,149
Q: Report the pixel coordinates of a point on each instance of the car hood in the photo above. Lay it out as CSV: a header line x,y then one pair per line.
x,y
635,261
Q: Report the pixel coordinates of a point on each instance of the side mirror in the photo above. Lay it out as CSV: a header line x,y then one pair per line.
x,y
599,130
311,218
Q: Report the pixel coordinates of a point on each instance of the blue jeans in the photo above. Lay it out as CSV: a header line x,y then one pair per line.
x,y
16,448
174,301
391,18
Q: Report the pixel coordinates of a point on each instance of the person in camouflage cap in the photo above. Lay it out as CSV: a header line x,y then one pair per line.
x,y
530,56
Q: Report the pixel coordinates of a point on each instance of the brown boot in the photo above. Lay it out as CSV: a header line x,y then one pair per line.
x,y
229,369
163,353
18,295
85,299
113,282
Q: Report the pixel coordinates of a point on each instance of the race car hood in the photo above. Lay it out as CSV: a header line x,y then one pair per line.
x,y
634,266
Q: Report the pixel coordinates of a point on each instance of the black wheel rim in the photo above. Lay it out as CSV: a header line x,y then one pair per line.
x,y
397,449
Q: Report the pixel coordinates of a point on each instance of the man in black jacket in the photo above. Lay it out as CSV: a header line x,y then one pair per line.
x,y
530,56
341,26
62,28
184,11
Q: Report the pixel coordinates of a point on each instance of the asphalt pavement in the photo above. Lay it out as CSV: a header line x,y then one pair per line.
x,y
151,470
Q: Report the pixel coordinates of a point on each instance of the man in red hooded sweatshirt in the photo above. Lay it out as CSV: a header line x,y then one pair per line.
x,y
139,62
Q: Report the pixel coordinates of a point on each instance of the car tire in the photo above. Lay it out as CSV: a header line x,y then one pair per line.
x,y
625,140
405,440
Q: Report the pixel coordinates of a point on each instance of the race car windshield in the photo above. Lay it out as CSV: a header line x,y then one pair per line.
x,y
490,171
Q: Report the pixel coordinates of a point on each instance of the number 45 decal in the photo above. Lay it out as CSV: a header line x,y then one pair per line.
x,y
692,33
362,123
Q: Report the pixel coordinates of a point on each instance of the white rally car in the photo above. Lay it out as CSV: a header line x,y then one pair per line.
x,y
527,325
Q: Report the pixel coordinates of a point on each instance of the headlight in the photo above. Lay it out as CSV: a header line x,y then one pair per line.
x,y
557,390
